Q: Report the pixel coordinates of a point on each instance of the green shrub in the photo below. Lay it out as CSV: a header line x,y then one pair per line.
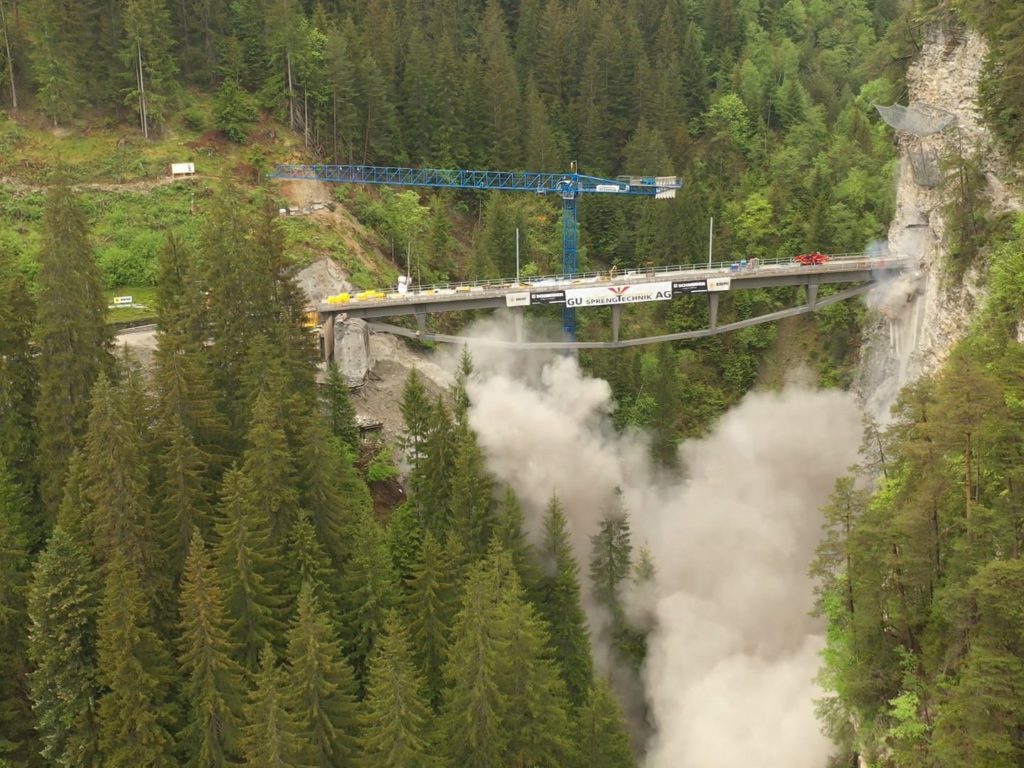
x,y
122,266
233,111
194,119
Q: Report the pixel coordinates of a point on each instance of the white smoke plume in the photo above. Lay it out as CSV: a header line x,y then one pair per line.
x,y
733,652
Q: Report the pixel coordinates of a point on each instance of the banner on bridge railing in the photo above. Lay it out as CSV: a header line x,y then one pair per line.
x,y
618,294
521,299
547,297
685,287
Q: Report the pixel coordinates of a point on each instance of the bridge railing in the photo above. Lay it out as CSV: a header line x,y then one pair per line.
x,y
836,262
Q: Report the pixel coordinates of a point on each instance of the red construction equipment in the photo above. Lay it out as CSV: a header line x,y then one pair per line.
x,y
811,259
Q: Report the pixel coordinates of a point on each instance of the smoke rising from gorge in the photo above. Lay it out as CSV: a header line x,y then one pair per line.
x,y
733,652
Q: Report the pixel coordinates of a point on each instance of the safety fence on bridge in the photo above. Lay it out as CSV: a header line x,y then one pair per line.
x,y
776,266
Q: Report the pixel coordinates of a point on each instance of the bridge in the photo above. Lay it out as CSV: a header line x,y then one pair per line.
x,y
606,289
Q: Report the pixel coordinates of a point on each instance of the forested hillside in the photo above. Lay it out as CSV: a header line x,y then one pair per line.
x,y
192,571
764,109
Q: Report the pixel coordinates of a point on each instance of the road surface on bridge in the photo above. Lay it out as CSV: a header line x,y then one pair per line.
x,y
722,277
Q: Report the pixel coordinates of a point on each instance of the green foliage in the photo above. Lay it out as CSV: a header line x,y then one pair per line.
x,y
341,415
382,467
601,735
999,90
505,704
272,733
136,714
397,722
233,111
71,337
247,560
919,576
63,604
430,605
17,742
214,685
18,384
559,605
320,688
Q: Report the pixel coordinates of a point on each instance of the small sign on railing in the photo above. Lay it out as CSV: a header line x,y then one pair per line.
x,y
123,301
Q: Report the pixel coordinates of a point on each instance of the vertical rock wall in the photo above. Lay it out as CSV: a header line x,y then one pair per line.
x,y
920,316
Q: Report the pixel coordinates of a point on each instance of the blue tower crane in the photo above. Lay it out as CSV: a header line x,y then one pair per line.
x,y
569,186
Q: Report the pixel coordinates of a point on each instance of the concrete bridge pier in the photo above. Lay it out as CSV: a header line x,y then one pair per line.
x,y
616,320
812,295
713,310
350,344
328,336
518,315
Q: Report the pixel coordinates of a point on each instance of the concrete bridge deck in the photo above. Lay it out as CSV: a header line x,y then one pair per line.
x,y
456,297
596,290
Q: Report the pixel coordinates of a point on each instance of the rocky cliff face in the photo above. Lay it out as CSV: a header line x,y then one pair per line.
x,y
920,316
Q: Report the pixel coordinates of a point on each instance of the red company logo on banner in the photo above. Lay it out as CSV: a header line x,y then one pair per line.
x,y
618,290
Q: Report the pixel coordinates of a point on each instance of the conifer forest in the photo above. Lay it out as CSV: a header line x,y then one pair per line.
x,y
207,560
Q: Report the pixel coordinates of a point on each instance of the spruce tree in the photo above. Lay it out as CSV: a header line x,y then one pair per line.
x,y
72,339
396,719
511,535
147,51
475,706
416,410
405,538
431,609
602,739
309,564
341,415
472,495
248,562
559,605
537,717
331,490
182,504
272,735
214,682
610,559
320,687
181,383
18,380
460,398
432,480
117,480
268,464
75,511
63,605
369,589
135,715
17,739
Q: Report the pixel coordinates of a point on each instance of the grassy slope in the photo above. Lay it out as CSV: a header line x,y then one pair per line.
x,y
131,200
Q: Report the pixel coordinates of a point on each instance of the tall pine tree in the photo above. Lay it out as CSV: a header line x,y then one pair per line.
x,y
63,605
559,605
214,682
72,338
396,718
320,687
136,715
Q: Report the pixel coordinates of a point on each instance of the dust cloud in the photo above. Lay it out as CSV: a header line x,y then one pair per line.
x,y
732,651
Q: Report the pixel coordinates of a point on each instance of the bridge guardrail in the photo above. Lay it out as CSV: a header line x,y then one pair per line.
x,y
836,262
